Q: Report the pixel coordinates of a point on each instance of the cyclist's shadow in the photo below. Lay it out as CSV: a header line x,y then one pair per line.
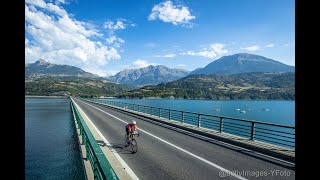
x,y
116,147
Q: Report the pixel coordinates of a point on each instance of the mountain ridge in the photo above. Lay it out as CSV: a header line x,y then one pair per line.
x,y
43,68
243,63
254,85
149,75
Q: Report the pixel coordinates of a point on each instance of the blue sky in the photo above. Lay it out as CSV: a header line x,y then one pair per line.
x,y
105,37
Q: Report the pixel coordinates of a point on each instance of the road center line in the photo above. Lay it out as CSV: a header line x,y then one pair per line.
x,y
238,147
177,147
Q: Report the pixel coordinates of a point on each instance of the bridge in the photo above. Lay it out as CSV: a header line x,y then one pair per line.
x,y
170,149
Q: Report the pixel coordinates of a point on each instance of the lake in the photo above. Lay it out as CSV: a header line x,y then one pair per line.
x,y
51,144
273,111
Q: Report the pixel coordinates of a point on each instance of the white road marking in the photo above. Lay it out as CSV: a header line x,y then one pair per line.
x,y
242,148
122,162
177,147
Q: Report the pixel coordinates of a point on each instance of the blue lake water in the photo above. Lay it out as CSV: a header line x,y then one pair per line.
x,y
51,144
279,112
275,112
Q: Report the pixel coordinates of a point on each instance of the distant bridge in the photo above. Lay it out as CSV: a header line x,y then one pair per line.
x,y
180,145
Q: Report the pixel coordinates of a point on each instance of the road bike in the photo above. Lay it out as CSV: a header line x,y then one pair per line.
x,y
130,141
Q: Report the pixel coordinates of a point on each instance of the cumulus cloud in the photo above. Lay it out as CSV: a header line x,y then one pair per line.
x,y
269,45
252,48
140,63
53,35
114,26
166,55
168,12
213,51
119,24
97,71
114,39
47,6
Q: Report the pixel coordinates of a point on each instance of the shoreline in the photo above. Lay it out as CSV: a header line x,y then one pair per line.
x,y
31,96
156,98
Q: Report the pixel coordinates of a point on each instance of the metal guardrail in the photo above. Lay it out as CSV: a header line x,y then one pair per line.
x,y
99,163
278,134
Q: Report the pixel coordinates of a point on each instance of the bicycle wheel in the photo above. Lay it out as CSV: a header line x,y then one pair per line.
x,y
134,146
126,141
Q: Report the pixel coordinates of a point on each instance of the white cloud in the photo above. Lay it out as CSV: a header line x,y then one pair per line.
x,y
168,12
269,45
252,48
166,56
117,25
140,63
114,26
120,40
60,1
214,50
96,70
218,48
47,6
111,40
114,39
53,35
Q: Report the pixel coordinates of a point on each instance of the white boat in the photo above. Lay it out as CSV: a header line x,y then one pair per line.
x,y
216,109
237,109
266,109
242,111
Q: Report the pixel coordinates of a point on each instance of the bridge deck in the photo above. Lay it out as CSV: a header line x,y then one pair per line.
x,y
167,152
266,148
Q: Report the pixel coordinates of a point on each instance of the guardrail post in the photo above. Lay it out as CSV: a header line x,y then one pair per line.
x,y
182,117
221,124
252,130
87,151
199,120
169,114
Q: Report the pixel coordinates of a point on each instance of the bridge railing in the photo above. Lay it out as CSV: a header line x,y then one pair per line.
x,y
99,163
278,134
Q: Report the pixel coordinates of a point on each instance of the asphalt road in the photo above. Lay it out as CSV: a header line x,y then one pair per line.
x,y
165,152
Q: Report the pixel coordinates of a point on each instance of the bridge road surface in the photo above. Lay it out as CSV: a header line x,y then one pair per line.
x,y
187,157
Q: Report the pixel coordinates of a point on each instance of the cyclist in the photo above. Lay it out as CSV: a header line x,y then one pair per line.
x,y
131,127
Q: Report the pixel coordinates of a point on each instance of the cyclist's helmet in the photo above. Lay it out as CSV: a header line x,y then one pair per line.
x,y
134,122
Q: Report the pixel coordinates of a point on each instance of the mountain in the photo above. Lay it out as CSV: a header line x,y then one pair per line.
x,y
150,75
44,78
43,68
73,86
217,86
243,63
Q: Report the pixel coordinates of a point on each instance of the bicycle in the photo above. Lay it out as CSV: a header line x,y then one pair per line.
x,y
131,141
